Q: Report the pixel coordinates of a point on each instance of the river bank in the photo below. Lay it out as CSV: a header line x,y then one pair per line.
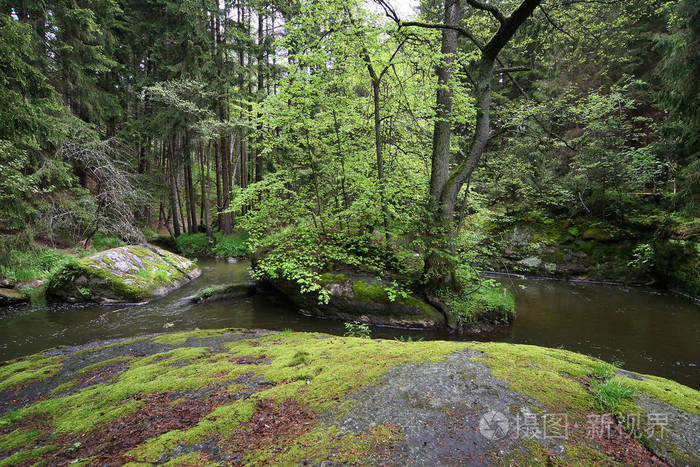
x,y
250,397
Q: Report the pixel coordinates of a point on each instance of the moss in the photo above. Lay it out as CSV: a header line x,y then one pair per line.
x,y
671,392
546,375
192,458
327,442
18,438
23,457
177,338
373,292
533,453
34,368
316,372
330,278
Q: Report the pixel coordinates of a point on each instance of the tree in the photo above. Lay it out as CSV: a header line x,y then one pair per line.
x,y
446,183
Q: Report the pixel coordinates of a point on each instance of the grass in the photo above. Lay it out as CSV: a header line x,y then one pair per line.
x,y
611,393
603,370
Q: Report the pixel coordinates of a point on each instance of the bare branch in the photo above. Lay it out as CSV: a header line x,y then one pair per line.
x,y
513,69
490,8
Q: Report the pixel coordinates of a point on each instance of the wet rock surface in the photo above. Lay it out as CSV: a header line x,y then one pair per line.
x,y
439,408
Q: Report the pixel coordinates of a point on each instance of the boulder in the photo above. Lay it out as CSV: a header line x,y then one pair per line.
x,y
597,234
532,262
363,299
127,274
11,297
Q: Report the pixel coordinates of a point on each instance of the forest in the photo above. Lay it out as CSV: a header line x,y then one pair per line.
x,y
404,164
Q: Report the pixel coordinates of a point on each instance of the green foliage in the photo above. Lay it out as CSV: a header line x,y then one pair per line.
x,y
357,329
610,394
231,245
642,257
488,302
193,244
100,242
20,263
603,370
224,245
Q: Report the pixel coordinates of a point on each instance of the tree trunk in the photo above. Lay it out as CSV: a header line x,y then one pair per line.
x,y
445,184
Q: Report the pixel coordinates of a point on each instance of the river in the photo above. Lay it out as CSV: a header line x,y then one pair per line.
x,y
649,331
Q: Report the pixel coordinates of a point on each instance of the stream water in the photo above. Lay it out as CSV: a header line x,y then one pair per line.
x,y
648,330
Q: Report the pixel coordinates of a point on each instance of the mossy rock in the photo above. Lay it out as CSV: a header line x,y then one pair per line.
x,y
127,274
678,264
365,299
11,297
225,292
597,234
252,397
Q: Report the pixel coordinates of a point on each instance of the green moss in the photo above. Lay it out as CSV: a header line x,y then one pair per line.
x,y
532,453
18,438
317,372
544,374
671,392
330,278
327,442
373,292
34,368
23,457
178,338
192,458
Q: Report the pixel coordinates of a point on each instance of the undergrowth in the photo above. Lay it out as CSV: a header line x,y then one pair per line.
x,y
224,245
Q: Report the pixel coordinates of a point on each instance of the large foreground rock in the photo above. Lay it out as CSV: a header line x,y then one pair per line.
x,y
128,274
250,397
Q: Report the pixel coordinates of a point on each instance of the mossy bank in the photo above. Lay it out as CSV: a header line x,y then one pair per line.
x,y
252,397
358,297
648,251
132,273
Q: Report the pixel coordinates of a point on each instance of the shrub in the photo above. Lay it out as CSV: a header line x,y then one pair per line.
x,y
100,242
193,244
357,329
488,303
224,245
231,245
36,262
